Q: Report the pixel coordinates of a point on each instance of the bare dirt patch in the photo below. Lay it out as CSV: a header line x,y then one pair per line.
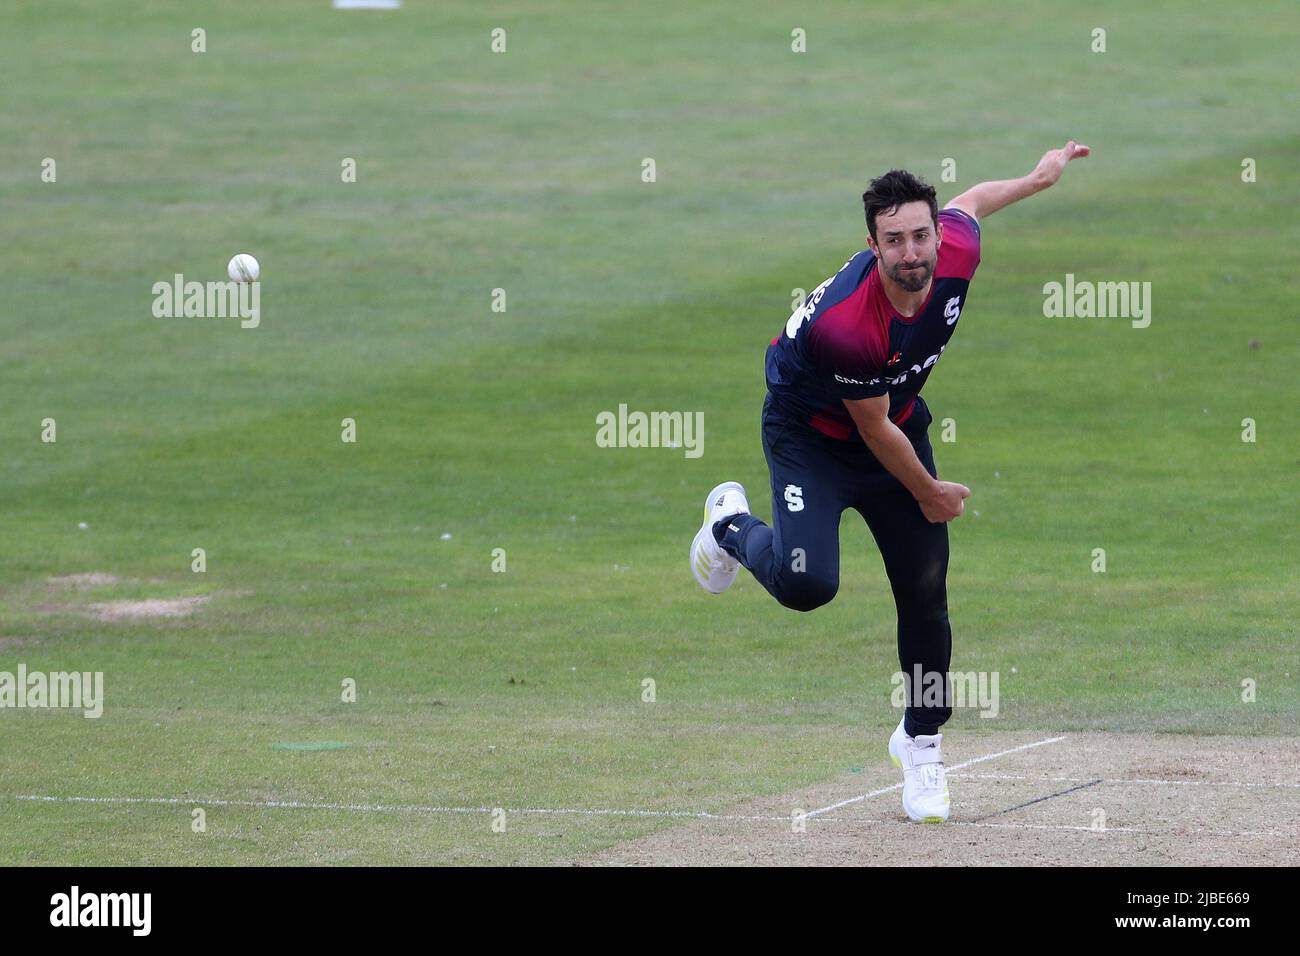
x,y
139,609
1087,800
148,608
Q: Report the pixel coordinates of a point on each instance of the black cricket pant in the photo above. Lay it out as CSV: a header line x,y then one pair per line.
x,y
797,559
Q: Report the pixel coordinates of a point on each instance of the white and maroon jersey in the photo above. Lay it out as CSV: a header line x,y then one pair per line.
x,y
848,341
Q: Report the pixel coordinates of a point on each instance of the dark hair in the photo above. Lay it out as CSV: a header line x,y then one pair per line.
x,y
886,193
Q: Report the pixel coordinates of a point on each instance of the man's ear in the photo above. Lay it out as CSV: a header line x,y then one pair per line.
x,y
938,234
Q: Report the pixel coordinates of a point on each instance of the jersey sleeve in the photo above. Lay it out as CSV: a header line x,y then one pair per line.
x,y
960,250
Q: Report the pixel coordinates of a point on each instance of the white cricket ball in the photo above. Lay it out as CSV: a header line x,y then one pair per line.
x,y
243,268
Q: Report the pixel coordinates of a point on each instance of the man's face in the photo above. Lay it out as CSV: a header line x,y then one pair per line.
x,y
907,244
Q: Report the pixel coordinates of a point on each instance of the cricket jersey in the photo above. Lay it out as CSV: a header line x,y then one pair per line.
x,y
848,341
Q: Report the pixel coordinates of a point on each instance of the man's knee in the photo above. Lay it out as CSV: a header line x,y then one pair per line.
x,y
921,596
806,592
930,616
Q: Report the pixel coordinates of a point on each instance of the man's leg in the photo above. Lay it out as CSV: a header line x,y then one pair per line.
x,y
797,559
915,553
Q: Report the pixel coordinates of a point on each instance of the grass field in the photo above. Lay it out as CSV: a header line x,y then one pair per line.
x,y
373,561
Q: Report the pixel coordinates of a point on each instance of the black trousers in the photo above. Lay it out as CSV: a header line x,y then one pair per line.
x,y
797,559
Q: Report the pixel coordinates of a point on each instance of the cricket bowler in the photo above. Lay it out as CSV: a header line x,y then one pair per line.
x,y
844,426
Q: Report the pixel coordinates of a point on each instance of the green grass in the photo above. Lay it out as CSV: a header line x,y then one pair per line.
x,y
522,171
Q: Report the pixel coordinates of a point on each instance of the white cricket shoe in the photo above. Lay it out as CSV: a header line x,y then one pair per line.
x,y
713,567
925,789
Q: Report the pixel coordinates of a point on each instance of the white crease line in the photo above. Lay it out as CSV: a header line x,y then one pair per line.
x,y
576,812
565,811
845,803
1174,783
1173,831
899,786
394,808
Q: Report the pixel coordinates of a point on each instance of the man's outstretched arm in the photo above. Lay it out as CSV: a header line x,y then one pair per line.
x,y
987,198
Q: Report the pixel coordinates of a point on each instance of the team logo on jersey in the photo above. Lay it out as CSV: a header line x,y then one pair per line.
x,y
917,369
952,311
894,360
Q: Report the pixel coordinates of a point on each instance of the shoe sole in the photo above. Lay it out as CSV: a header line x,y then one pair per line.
x,y
701,575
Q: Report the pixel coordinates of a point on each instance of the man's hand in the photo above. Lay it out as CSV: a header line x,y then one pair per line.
x,y
944,502
984,199
939,500
1050,167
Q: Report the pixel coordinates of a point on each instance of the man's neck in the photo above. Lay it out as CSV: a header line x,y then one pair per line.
x,y
905,303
